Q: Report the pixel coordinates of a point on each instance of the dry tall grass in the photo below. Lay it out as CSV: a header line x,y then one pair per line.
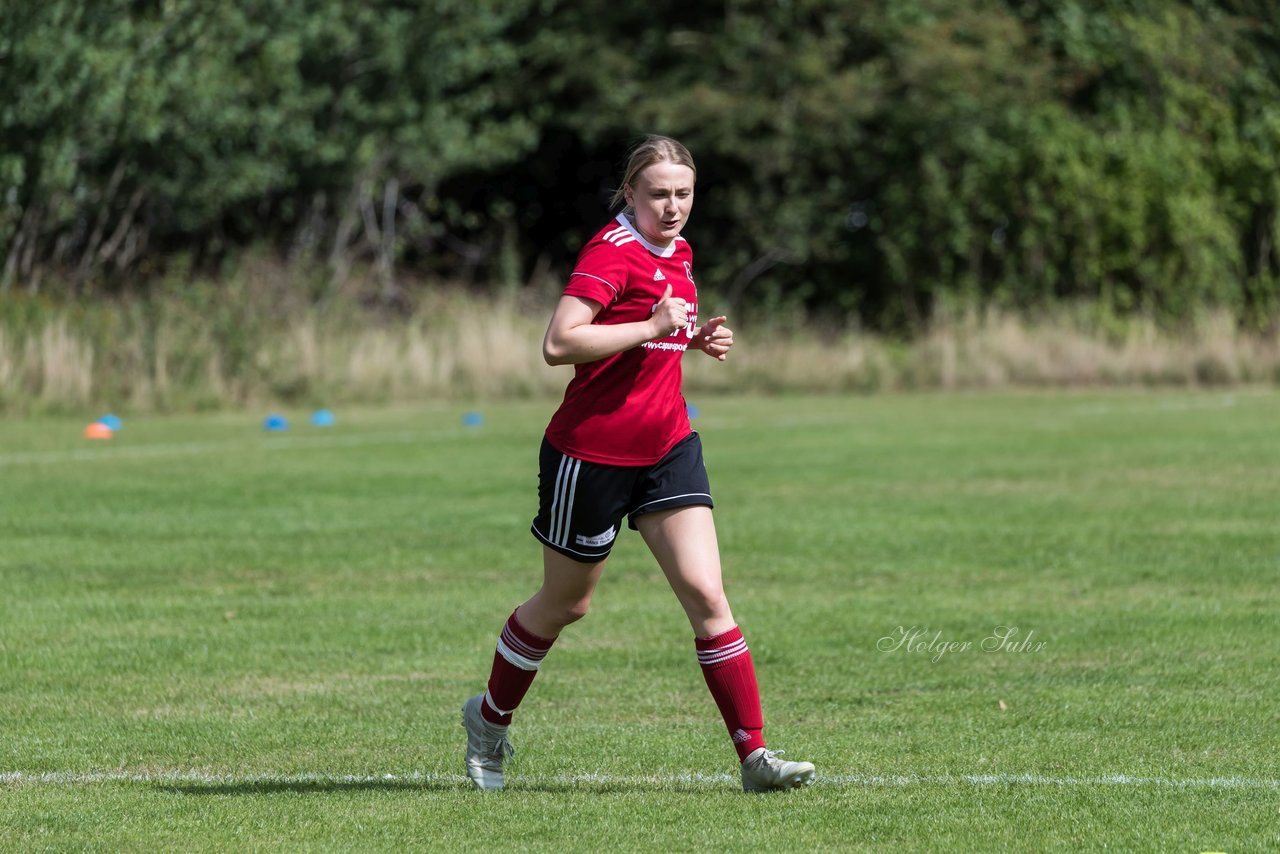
x,y
457,345
52,368
993,350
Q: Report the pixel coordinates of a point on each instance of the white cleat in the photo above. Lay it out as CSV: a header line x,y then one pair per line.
x,y
763,771
487,746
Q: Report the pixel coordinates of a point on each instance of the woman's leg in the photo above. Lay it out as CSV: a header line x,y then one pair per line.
x,y
684,542
565,595
526,638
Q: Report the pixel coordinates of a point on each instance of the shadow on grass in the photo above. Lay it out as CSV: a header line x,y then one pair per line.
x,y
311,787
325,787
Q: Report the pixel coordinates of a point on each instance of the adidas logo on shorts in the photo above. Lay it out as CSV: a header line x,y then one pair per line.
x,y
657,276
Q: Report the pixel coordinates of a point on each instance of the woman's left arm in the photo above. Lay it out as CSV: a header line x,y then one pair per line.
x,y
713,338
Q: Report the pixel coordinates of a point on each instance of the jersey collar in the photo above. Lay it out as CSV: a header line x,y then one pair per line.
x,y
630,226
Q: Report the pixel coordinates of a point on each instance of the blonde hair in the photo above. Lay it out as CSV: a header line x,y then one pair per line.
x,y
652,149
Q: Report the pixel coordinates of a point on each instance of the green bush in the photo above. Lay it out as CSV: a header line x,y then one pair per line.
x,y
857,159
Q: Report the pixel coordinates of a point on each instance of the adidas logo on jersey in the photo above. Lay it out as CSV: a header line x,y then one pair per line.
x,y
657,276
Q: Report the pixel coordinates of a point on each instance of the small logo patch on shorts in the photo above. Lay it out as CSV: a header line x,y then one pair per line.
x,y
598,540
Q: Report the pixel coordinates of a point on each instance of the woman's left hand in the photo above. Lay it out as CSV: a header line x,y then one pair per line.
x,y
714,338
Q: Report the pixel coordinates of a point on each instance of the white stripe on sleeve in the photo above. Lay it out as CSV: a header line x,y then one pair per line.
x,y
597,278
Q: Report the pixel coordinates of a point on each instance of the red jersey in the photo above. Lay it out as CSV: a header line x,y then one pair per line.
x,y
627,409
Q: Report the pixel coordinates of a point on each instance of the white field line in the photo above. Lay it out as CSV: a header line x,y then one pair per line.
x,y
180,449
1226,401
72,778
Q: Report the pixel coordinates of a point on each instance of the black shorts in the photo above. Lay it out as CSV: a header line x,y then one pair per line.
x,y
581,504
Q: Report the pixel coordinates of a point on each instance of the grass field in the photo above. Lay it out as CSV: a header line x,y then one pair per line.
x,y
214,639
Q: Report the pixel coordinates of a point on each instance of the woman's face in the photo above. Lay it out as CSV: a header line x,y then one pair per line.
x,y
662,196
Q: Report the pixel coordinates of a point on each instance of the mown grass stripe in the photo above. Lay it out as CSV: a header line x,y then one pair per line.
x,y
178,449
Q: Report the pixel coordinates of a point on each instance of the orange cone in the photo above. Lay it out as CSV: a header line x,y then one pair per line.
x,y
97,430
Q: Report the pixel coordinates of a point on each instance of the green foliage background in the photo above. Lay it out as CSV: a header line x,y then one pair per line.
x,y
868,160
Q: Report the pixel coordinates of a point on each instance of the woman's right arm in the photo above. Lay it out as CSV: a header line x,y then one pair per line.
x,y
572,338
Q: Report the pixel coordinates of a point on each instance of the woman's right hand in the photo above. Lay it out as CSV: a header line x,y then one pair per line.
x,y
670,314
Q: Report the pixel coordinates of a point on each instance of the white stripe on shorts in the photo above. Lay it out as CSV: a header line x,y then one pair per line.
x,y
562,505
669,498
568,510
555,500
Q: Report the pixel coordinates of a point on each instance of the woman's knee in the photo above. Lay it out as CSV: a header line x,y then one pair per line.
x,y
707,602
567,586
556,610
572,611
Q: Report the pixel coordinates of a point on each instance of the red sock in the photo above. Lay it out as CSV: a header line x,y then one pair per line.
x,y
731,676
515,663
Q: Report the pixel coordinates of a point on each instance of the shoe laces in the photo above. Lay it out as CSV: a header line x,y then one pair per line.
x,y
502,749
768,757
497,746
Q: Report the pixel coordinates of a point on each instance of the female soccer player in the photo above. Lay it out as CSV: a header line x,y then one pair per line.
x,y
621,445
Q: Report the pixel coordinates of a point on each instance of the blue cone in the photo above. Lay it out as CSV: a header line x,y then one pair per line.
x,y
323,418
692,410
275,423
113,422
473,419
